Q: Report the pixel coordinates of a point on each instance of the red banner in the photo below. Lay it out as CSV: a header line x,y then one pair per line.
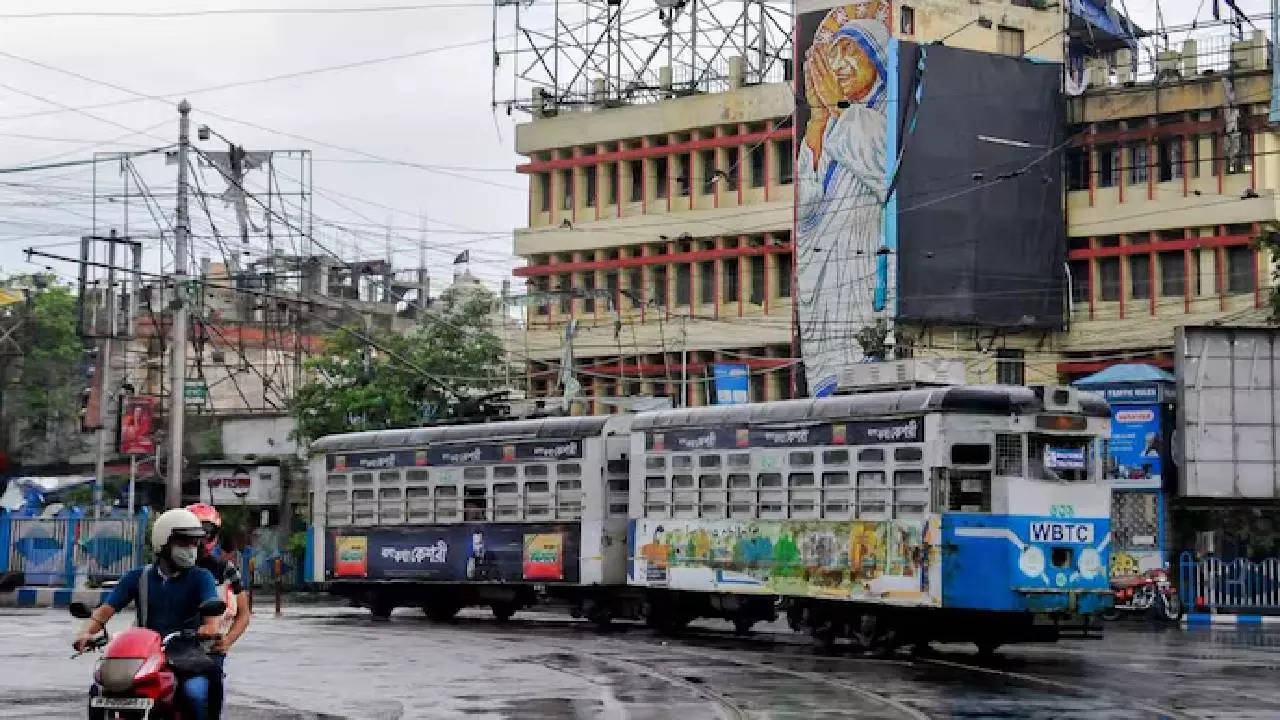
x,y
137,426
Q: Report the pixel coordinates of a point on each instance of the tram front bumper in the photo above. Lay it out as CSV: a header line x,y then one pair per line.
x,y
1081,601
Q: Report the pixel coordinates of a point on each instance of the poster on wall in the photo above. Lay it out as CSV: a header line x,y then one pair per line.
x,y
733,383
843,269
506,552
137,426
1135,446
888,560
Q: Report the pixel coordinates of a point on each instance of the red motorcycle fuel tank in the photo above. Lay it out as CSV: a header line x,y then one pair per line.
x,y
133,663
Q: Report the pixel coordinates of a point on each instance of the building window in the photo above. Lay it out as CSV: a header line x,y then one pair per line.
x,y
1240,269
611,282
1011,367
539,285
635,282
637,180
1169,159
1140,276
1241,162
682,174
1079,281
1077,169
708,159
684,278
544,192
660,285
566,181
907,20
588,292
1109,279
1195,156
565,291
786,161
1108,165
706,283
729,280
757,280
663,177
1011,41
1138,160
783,264
757,165
1173,274
590,177
611,184
733,156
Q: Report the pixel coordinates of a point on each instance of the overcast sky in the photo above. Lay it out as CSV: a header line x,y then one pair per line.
x,y
430,109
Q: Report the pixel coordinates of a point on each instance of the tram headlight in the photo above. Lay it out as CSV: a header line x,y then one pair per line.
x,y
1090,563
1031,562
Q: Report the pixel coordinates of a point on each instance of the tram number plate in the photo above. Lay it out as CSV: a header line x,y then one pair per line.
x,y
1062,532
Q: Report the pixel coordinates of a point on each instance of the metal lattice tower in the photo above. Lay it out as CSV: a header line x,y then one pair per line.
x,y
608,53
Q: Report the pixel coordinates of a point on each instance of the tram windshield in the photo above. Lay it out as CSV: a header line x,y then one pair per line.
x,y
1061,458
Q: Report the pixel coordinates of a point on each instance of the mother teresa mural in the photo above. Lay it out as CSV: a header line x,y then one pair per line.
x,y
840,171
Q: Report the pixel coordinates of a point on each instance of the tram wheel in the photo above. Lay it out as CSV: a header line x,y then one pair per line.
x,y
987,648
440,612
503,611
742,626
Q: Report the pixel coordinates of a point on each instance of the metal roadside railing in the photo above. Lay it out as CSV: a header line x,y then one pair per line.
x,y
1239,585
54,552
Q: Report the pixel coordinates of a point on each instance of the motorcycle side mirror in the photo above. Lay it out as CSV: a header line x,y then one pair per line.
x,y
80,610
212,608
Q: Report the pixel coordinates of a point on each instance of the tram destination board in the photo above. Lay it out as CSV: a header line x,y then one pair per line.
x,y
874,432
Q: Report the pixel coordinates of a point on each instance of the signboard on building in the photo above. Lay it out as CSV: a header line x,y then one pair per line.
x,y
229,484
733,383
1228,412
195,391
137,425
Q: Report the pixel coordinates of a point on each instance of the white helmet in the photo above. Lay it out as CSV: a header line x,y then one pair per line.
x,y
175,522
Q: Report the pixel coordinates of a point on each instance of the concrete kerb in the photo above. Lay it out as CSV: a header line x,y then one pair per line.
x,y
41,597
1192,620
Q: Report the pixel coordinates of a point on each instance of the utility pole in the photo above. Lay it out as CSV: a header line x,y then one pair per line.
x,y
104,379
177,403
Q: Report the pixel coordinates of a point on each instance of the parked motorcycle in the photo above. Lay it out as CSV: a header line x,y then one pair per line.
x,y
1151,593
137,675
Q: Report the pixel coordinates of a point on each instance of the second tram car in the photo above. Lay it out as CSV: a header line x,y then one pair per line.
x,y
963,513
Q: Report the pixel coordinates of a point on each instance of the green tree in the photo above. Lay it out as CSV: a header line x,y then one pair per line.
x,y
393,380
1269,239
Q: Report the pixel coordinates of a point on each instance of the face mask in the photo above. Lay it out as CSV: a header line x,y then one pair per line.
x,y
183,557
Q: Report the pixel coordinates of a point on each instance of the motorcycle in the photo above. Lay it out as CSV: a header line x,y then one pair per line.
x,y
137,675
1151,592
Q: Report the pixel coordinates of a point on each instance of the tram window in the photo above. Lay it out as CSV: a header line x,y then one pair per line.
x,y
536,487
388,477
710,482
418,492
803,508
537,511
475,473
682,462
909,509
389,493
802,459
447,491
505,489
619,509
769,480
655,462
712,510
569,470
535,471
1039,447
475,502
335,497
503,472
362,479
871,456
835,479
417,476
337,481
908,454
655,482
871,478
835,457
970,491
362,494
619,485
740,460
682,481
908,477
738,480
801,480
872,509
568,484
1009,455
970,454
709,461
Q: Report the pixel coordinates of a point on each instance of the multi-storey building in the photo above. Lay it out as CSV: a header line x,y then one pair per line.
x,y
663,231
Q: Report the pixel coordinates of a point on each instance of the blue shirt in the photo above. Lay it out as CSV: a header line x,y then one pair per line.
x,y
173,603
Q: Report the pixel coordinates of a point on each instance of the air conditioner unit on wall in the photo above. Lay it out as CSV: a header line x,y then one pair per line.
x,y
913,372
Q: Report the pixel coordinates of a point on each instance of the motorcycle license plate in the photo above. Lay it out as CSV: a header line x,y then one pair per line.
x,y
122,703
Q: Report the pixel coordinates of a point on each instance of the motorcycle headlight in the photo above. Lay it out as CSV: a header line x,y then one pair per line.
x,y
1031,562
1090,563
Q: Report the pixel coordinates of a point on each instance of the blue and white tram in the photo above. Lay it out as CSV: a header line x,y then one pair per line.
x,y
952,514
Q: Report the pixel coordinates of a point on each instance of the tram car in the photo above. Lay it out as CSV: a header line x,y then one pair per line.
x,y
965,513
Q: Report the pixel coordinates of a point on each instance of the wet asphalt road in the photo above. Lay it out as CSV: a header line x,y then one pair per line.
x,y
331,662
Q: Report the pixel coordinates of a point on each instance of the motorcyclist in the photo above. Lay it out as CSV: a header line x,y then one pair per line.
x,y
179,596
236,619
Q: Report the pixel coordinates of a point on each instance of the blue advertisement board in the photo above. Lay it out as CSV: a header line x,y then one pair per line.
x,y
733,383
1135,446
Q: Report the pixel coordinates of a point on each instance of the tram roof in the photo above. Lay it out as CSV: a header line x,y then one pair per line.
x,y
972,399
541,428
